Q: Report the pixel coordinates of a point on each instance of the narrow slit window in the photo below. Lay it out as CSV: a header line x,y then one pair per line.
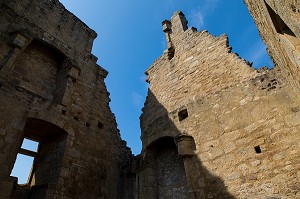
x,y
171,53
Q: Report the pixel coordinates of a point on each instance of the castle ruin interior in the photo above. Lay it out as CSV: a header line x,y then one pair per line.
x,y
212,125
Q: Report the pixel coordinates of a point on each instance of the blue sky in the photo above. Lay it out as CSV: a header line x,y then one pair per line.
x,y
130,38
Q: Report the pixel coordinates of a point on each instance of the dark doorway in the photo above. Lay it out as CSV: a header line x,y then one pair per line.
x,y
169,168
45,170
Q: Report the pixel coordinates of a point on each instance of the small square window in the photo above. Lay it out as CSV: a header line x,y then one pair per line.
x,y
257,149
183,114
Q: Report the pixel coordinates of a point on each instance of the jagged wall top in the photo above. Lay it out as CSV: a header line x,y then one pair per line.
x,y
44,13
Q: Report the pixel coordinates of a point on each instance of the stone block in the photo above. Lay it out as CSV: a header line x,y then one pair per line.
x,y
185,145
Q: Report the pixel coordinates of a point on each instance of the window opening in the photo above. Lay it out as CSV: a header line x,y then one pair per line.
x,y
44,156
257,149
24,162
64,112
183,114
171,53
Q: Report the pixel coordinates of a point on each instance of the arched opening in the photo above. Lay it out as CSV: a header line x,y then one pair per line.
x,y
37,69
47,159
164,174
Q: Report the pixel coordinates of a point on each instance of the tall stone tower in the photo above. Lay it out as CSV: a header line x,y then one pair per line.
x,y
213,126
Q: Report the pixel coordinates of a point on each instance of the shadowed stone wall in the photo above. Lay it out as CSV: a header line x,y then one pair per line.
x,y
236,128
212,126
50,83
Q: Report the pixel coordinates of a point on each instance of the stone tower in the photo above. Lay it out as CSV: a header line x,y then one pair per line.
x,y
213,126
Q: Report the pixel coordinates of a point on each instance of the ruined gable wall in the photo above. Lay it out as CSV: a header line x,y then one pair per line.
x,y
283,45
232,109
202,64
47,73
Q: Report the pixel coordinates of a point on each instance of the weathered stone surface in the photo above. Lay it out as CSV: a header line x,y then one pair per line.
x,y
279,26
212,126
53,91
243,121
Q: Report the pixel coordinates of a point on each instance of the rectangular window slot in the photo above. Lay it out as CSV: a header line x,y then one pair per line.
x,y
257,149
87,124
30,145
171,53
183,114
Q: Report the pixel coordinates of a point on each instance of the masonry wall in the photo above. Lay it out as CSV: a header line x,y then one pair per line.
x,y
278,24
49,81
236,128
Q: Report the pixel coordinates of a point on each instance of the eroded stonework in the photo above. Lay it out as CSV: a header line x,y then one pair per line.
x,y
52,91
279,26
236,128
212,126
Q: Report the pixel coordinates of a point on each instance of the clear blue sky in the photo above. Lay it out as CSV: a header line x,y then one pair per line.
x,y
130,38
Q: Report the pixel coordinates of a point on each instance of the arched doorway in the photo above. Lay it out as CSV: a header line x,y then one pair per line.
x,y
163,174
45,170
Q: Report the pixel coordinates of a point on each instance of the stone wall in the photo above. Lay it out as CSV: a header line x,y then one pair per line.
x,y
212,126
161,173
236,128
49,84
279,25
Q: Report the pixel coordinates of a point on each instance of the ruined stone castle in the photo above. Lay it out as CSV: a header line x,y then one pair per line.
x,y
212,125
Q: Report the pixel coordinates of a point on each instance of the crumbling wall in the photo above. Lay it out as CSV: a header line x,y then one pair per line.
x,y
235,127
48,75
278,23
